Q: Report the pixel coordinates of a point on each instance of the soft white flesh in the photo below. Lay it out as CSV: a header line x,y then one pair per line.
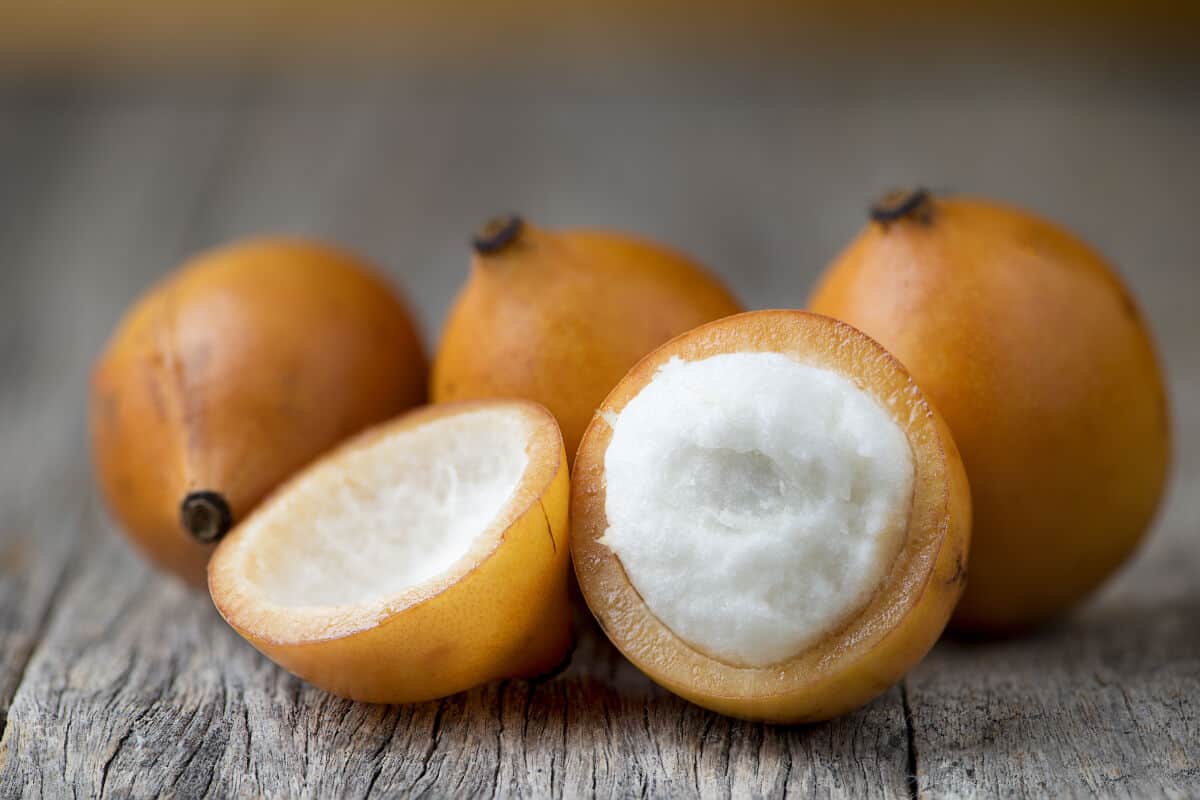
x,y
755,502
390,516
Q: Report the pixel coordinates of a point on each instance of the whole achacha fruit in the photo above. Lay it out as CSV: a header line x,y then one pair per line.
x,y
1042,365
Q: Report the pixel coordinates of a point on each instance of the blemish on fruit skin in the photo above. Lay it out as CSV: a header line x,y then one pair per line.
x,y
549,528
960,571
154,392
440,655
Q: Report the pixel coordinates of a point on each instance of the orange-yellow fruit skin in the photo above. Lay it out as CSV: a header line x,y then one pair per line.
x,y
1032,348
882,642
558,317
509,617
235,371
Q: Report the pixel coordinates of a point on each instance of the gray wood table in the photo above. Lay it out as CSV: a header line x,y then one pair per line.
x,y
117,681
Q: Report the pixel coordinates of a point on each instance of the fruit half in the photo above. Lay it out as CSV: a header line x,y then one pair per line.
x,y
769,519
420,559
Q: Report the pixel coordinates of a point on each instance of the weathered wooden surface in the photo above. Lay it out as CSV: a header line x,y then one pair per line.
x,y
116,681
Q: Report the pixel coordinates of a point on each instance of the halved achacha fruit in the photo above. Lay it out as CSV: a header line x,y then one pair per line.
x,y
769,519
427,556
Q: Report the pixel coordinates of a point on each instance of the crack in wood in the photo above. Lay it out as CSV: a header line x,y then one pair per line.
x,y
500,690
434,734
378,755
911,737
112,757
47,617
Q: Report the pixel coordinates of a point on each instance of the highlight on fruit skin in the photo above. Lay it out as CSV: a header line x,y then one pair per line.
x,y
558,317
424,557
769,518
1034,350
231,374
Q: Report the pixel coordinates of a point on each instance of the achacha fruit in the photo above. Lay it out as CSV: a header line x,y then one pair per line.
x,y
558,317
1036,353
231,374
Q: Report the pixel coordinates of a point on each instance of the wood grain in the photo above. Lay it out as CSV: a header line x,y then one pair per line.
x,y
1106,706
1106,703
115,681
149,692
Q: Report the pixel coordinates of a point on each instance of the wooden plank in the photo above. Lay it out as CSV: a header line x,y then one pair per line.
x,y
1105,705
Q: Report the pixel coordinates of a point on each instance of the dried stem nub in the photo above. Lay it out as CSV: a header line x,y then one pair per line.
x,y
900,204
497,234
206,516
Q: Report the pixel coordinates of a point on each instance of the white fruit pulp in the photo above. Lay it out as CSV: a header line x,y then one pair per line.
x,y
394,514
755,502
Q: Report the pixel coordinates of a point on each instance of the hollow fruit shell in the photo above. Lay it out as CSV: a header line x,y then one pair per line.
x,y
558,317
907,613
504,616
234,372
1038,357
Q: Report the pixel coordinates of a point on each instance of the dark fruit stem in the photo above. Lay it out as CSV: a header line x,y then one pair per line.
x,y
206,516
901,204
497,234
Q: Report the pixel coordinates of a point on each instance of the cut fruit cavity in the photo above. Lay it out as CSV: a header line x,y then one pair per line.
x,y
768,517
425,557
754,501
384,519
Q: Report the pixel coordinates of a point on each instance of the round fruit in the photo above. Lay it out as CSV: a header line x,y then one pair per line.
x,y
559,317
769,519
233,373
1037,356
420,559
